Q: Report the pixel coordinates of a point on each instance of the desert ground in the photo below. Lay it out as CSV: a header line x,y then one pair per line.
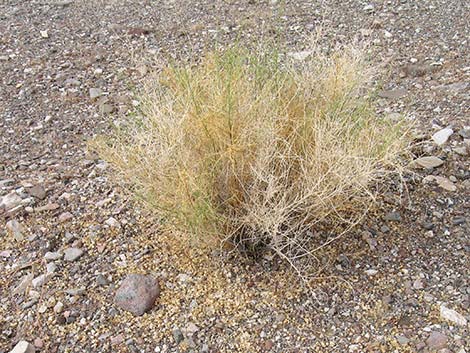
x,y
71,69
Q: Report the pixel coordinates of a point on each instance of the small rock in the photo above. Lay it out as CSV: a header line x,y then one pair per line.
x,y
428,162
38,343
300,55
191,329
65,216
436,340
10,201
371,272
58,307
453,316
393,94
465,133
444,183
48,207
51,267
95,93
44,34
368,8
106,108
40,280
113,222
37,191
461,151
23,347
418,284
15,229
72,254
101,280
178,336
52,256
442,136
5,253
137,293
403,340
393,217
25,282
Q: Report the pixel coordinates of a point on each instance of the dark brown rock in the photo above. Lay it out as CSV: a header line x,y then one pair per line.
x,y
137,293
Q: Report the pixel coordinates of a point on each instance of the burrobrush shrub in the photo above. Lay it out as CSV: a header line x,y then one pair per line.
x,y
257,149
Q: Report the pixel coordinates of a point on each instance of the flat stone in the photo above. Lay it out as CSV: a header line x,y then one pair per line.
x,y
393,216
442,136
428,162
72,254
40,280
15,229
48,207
443,182
436,340
10,201
65,216
23,347
37,191
452,316
95,93
394,93
137,293
52,256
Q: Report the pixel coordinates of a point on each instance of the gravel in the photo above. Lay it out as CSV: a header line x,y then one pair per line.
x,y
70,70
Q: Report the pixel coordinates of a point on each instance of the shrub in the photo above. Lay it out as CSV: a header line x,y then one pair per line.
x,y
258,150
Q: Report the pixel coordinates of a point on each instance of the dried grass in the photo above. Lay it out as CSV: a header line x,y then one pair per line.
x,y
258,150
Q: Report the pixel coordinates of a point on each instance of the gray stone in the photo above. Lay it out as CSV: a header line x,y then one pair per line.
x,y
428,162
394,93
72,254
23,347
178,336
436,340
443,182
40,280
37,191
137,293
393,216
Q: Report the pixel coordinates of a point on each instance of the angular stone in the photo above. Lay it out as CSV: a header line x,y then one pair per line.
x,y
452,316
436,340
442,136
52,256
428,162
40,280
112,222
137,293
443,182
37,191
15,229
23,347
10,201
72,254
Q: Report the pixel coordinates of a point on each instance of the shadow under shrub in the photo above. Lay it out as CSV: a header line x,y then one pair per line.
x,y
251,150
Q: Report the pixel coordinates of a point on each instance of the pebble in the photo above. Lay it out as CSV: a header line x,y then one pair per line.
x,y
51,267
436,340
443,182
393,217
38,343
16,229
137,293
72,254
428,162
95,93
113,222
10,201
23,347
52,256
371,272
394,93
40,280
453,316
58,307
37,191
101,280
178,336
442,136
65,216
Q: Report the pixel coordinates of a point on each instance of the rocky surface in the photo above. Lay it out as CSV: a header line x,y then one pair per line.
x,y
70,70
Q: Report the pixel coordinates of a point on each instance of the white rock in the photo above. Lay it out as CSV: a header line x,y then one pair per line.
x,y
371,272
52,256
442,136
16,229
10,201
112,222
23,347
40,280
44,34
300,55
58,307
72,254
95,93
368,8
453,316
